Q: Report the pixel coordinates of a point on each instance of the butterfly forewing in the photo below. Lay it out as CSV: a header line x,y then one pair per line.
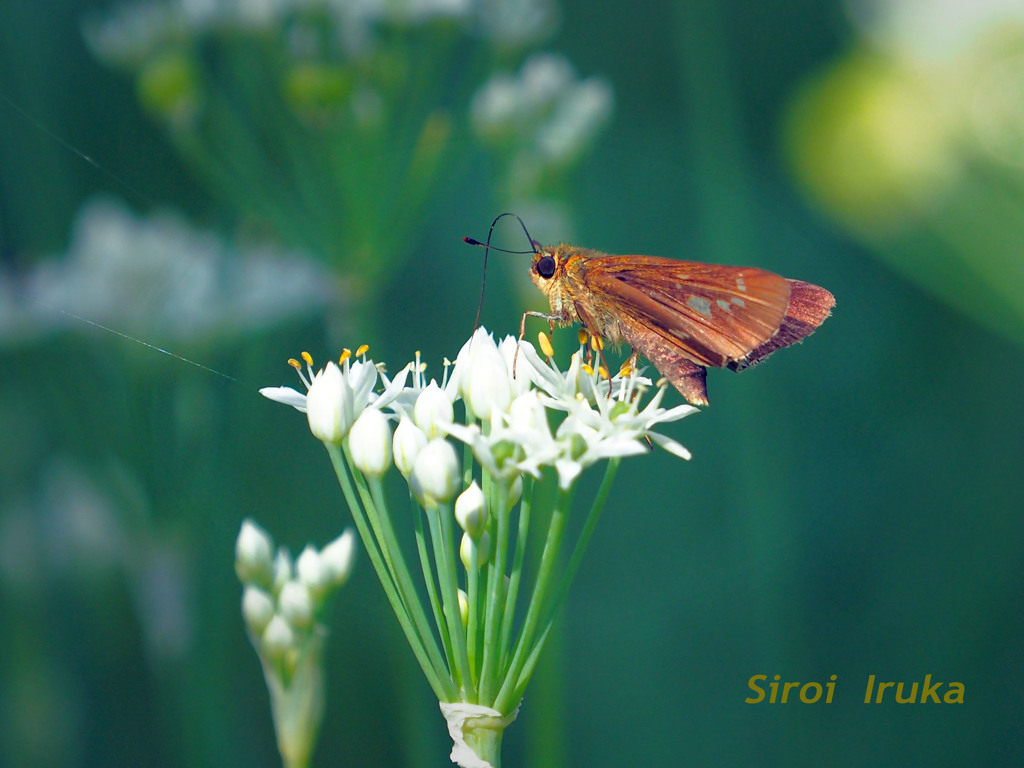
x,y
710,314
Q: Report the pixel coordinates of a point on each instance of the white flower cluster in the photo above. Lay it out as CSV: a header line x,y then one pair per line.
x,y
545,114
158,275
135,31
282,597
508,392
283,606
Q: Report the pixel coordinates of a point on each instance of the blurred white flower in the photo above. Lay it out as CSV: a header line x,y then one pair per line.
x,y
933,30
544,116
156,277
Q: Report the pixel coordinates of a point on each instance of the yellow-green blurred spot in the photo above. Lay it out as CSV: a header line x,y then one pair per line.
x,y
870,143
168,86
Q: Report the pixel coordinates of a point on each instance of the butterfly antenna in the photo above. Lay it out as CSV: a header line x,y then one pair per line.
x,y
534,245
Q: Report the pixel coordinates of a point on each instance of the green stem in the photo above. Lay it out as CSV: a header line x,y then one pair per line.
x,y
431,585
406,587
438,681
545,571
570,573
496,596
517,569
445,568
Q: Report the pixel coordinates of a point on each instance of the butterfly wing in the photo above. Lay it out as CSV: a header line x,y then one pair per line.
x,y
683,316
714,315
809,305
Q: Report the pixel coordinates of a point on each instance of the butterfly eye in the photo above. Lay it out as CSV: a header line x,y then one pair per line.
x,y
545,266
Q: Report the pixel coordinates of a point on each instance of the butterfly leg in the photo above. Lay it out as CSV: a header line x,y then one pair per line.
x,y
522,331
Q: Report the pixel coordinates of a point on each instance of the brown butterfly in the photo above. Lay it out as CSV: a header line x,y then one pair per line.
x,y
683,316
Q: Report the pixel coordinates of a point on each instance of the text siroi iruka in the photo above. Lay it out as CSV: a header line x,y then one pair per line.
x,y
875,692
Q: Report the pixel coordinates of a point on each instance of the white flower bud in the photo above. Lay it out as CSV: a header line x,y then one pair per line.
x,y
284,569
436,475
433,409
487,385
278,638
329,405
471,511
527,413
254,555
464,607
409,441
515,493
482,545
338,557
295,604
309,569
257,609
369,442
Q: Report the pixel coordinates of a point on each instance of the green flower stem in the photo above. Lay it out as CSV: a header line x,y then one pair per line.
x,y
549,557
406,587
473,614
496,595
373,516
438,681
516,574
570,573
445,569
451,598
428,579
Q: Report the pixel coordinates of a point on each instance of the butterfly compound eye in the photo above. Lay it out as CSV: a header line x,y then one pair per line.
x,y
545,266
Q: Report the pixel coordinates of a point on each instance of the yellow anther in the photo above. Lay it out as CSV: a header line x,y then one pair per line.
x,y
545,344
603,372
294,363
626,369
308,358
587,369
346,353
581,334
362,350
596,343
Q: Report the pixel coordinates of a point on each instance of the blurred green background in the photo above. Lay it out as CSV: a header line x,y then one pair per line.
x,y
852,508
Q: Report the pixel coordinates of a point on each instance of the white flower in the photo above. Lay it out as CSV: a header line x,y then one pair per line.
x,y
433,409
409,441
296,605
310,571
603,418
370,443
436,474
329,405
137,273
482,546
257,609
254,554
614,428
284,569
337,396
544,116
483,377
470,510
510,448
337,558
277,638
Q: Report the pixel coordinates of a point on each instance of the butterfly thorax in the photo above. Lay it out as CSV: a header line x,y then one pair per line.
x,y
560,273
